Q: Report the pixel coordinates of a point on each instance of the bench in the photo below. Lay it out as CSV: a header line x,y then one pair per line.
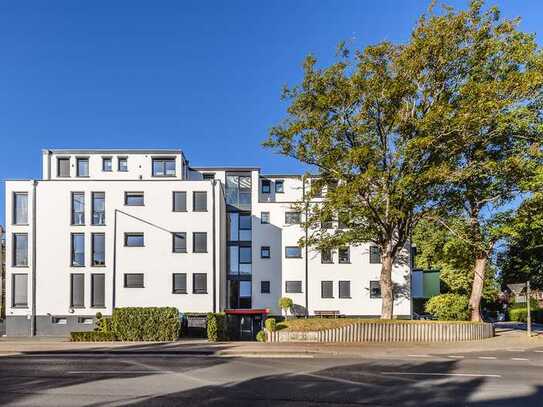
x,y
322,314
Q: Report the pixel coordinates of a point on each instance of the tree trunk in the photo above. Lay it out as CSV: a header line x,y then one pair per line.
x,y
386,287
477,287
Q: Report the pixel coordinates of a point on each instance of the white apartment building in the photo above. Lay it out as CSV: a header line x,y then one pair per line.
x,y
118,228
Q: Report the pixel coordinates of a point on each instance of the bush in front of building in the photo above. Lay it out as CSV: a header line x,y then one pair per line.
x,y
146,323
103,324
285,304
217,329
261,336
271,324
449,307
92,336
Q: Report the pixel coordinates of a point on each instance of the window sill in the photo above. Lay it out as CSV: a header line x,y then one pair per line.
x,y
179,251
133,246
173,210
345,298
163,176
98,265
20,224
134,286
264,293
201,252
82,176
327,298
293,257
97,224
194,210
134,204
20,267
77,224
327,262
98,306
344,262
293,292
179,292
77,306
77,266
20,306
202,292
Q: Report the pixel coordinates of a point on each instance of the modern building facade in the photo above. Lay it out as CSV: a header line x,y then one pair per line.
x,y
117,228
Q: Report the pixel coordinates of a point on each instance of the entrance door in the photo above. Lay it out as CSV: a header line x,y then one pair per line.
x,y
246,328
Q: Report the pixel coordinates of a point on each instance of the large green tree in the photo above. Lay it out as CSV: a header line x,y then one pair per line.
x,y
492,122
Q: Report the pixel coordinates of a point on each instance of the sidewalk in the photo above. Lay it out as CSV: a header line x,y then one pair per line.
x,y
506,339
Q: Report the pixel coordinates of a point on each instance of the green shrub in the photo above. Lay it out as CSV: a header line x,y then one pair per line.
x,y
216,327
449,307
534,304
285,304
103,324
92,336
261,336
146,323
271,324
518,314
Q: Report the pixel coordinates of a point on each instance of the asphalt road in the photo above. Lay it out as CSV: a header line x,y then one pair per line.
x,y
512,377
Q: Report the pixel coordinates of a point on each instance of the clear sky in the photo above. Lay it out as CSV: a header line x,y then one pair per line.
x,y
202,76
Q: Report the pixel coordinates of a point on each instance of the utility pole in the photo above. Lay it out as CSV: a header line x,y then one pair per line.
x,y
529,316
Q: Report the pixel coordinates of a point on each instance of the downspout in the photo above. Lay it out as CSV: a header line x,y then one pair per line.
x,y
213,182
48,164
306,251
114,260
33,310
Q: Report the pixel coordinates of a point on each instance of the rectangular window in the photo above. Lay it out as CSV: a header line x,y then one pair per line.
x,y
266,186
98,249
238,191
179,201
134,199
233,226
77,290
327,289
199,201
293,286
19,290
20,208
63,167
78,250
264,287
245,255
208,176
106,164
122,164
343,221
293,218
199,283
344,255
78,208
326,223
179,283
265,252
133,280
326,256
245,227
279,186
375,289
179,242
375,255
82,167
199,242
163,167
133,239
293,252
98,289
265,218
20,249
98,208
344,289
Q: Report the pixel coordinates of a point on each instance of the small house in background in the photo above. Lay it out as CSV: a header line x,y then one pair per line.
x,y
425,284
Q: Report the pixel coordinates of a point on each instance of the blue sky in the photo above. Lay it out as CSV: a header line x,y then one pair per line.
x,y
203,76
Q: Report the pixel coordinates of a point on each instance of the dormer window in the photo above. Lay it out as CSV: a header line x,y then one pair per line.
x,y
163,167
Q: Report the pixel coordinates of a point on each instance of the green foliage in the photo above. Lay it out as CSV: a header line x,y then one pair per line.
x,y
103,324
449,307
520,314
92,336
285,304
146,323
271,324
217,329
261,336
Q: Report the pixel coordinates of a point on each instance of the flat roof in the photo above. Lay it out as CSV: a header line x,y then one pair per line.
x,y
225,168
113,151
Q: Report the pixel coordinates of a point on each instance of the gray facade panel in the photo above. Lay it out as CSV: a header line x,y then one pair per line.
x,y
17,326
45,326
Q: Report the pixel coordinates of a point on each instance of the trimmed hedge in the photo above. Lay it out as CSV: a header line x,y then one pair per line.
x,y
217,329
449,307
92,336
270,324
146,323
518,314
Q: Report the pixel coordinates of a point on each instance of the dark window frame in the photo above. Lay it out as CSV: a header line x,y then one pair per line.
x,y
348,259
14,249
104,160
292,213
198,193
119,161
174,250
13,289
72,305
375,254
323,261
93,211
134,286
64,159
93,287
72,209
262,217
77,161
265,287
14,213
208,176
345,284
93,235
128,234
293,257
280,190
199,290
72,248
134,193
194,242
179,290
163,161
291,291
264,248
265,186
323,286
184,194
378,284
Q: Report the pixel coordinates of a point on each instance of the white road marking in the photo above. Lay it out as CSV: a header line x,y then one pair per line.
x,y
487,357
519,359
538,351
515,350
119,371
456,356
419,356
442,374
